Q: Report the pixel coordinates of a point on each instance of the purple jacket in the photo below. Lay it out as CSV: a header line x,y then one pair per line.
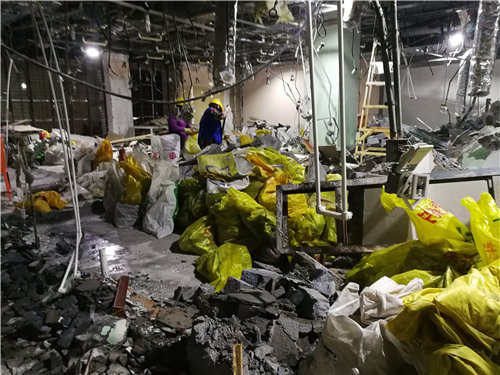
x,y
178,127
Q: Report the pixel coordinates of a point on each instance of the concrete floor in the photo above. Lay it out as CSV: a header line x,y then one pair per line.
x,y
154,269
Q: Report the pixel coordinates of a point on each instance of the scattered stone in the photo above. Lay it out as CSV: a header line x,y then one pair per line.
x,y
52,317
284,348
117,369
314,305
257,277
88,284
184,294
66,338
176,317
235,285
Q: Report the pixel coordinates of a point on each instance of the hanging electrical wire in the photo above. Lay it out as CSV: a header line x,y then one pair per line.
x,y
139,100
66,140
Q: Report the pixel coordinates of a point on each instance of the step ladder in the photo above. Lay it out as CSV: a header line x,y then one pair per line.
x,y
364,131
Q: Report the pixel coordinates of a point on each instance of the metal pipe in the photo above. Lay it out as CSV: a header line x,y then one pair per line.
x,y
344,215
71,172
396,62
66,153
104,263
160,14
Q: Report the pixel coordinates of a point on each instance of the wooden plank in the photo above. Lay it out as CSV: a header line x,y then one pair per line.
x,y
121,296
237,359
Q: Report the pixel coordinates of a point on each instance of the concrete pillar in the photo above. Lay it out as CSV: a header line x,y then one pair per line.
x,y
116,79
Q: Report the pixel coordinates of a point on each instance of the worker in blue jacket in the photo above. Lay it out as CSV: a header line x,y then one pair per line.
x,y
210,124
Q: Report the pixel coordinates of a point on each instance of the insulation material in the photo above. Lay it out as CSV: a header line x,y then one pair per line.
x,y
463,78
224,71
352,14
485,40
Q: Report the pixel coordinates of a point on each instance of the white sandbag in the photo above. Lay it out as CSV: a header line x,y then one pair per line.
x,y
94,182
113,191
54,155
159,217
126,215
167,147
161,201
346,348
348,301
382,299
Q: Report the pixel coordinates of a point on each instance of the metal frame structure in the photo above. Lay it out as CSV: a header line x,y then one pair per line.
x,y
490,175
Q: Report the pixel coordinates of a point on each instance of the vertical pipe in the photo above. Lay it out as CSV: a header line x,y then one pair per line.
x,y
343,146
89,108
396,62
104,263
30,94
344,215
310,44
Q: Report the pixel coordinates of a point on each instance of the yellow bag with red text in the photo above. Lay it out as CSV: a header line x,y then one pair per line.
x,y
485,226
434,224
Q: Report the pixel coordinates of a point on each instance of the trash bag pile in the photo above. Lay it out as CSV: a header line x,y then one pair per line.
x,y
428,306
236,192
231,199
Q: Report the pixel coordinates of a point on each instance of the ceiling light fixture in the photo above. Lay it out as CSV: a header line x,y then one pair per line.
x,y
455,40
92,52
24,86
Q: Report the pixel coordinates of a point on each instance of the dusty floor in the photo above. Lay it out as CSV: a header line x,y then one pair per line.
x,y
154,269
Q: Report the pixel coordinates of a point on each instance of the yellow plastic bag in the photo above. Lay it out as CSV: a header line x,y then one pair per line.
x,y
104,152
245,139
132,193
454,323
191,146
431,279
485,226
260,132
272,158
260,169
230,227
412,255
434,224
137,183
306,230
227,260
198,238
191,201
44,201
460,360
218,166
260,221
297,203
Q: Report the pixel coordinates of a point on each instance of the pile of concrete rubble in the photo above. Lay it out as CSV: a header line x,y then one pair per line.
x,y
276,314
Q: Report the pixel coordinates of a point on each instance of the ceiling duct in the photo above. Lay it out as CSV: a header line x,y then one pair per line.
x,y
484,52
463,78
225,43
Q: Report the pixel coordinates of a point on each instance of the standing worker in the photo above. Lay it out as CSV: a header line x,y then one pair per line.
x,y
176,124
210,124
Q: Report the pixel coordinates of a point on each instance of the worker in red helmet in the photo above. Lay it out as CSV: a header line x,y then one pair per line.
x,y
210,124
